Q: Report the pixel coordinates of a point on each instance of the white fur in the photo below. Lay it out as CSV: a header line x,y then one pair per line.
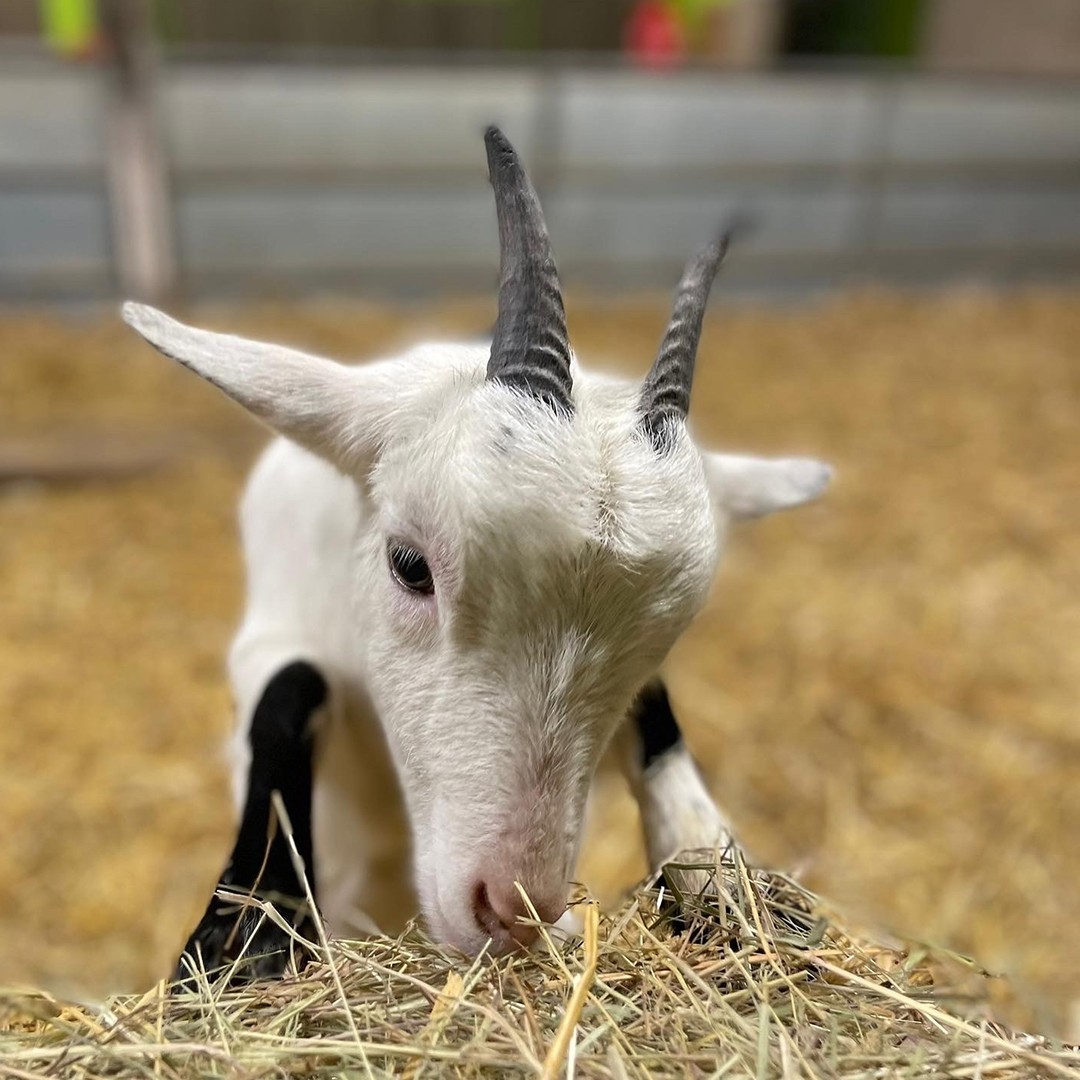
x,y
678,815
750,487
568,556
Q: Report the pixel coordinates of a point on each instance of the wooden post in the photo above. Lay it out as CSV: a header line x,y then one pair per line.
x,y
137,172
745,34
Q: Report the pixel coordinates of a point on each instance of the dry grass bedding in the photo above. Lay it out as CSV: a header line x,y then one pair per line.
x,y
747,980
883,692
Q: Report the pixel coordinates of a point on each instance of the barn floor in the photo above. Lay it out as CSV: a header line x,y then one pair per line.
x,y
885,688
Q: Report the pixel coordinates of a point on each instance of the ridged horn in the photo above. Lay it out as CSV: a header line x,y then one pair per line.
x,y
530,349
665,394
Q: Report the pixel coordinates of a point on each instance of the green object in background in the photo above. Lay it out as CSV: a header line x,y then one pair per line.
x,y
693,10
525,25
854,27
692,13
70,25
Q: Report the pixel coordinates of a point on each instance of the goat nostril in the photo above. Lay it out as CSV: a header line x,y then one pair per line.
x,y
499,913
486,917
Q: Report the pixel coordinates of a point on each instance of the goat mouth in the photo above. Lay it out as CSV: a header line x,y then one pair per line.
x,y
444,931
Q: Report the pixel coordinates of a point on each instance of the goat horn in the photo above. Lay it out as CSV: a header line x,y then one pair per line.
x,y
665,395
530,349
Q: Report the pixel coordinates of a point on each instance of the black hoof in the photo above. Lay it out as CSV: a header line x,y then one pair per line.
x,y
243,943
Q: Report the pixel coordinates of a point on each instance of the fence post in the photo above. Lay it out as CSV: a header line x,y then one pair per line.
x,y
135,161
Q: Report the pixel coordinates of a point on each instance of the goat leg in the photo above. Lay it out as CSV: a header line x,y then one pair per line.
x,y
281,743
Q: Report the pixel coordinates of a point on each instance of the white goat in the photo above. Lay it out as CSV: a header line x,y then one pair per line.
x,y
465,566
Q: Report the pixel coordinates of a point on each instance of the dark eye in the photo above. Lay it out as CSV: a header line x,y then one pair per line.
x,y
410,569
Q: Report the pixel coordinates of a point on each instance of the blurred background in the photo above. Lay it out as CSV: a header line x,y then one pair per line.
x,y
884,690
207,149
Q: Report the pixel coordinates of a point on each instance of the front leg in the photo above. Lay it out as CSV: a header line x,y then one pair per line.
x,y
281,743
677,812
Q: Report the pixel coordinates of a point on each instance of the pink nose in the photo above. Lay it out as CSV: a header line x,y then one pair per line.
x,y
498,907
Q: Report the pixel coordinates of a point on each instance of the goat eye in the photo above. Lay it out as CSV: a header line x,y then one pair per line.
x,y
410,569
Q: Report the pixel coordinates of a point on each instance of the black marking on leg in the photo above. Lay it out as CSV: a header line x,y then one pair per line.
x,y
281,760
655,722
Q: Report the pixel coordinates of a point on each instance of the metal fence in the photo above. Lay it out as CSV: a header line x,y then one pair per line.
x,y
297,177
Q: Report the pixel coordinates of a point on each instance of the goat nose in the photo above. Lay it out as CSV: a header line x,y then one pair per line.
x,y
498,907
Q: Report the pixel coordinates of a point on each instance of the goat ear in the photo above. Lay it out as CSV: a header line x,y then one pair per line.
x,y
750,487
318,403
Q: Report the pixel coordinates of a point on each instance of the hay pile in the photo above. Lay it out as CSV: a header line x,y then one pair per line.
x,y
749,981
883,691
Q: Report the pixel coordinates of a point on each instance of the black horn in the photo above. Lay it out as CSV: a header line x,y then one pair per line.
x,y
530,349
665,395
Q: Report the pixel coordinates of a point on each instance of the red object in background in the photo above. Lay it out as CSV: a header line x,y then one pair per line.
x,y
654,35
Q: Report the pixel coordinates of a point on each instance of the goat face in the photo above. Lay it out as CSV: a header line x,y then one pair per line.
x,y
524,573
533,542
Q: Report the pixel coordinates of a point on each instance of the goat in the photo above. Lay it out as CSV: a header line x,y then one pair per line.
x,y
465,566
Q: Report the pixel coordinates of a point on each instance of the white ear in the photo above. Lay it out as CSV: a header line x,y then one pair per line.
x,y
749,487
318,403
